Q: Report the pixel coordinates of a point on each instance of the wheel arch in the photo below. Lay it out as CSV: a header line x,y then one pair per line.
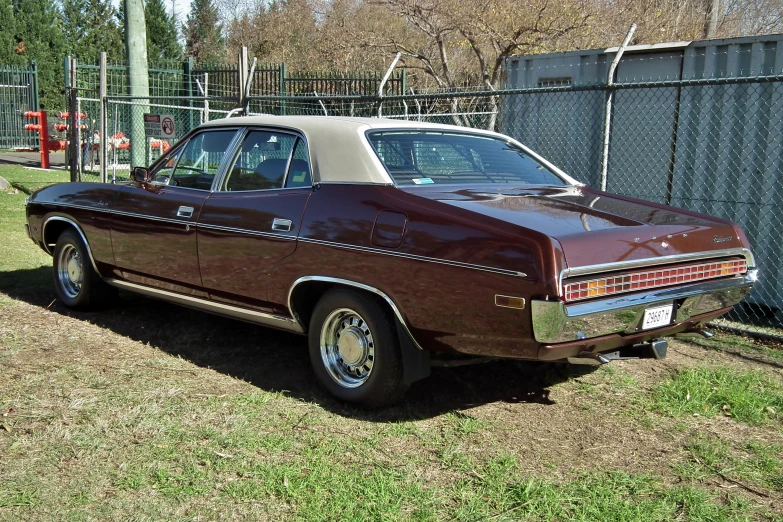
x,y
306,291
52,229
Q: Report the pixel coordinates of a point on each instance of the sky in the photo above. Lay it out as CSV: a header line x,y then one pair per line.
x,y
180,7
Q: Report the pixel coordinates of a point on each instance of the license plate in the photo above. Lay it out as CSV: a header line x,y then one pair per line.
x,y
658,316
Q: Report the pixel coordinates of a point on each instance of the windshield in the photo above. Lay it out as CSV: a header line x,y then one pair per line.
x,y
427,157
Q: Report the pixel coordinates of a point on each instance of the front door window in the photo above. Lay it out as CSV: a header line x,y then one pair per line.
x,y
199,161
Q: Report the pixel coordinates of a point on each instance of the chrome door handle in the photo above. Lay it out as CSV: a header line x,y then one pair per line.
x,y
185,212
282,225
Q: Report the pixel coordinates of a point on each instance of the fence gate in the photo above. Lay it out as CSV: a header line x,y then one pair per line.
x,y
18,93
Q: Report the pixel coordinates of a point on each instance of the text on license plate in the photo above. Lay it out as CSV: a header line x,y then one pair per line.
x,y
658,316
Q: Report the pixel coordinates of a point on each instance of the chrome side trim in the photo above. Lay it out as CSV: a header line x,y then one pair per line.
x,y
78,229
414,257
152,218
653,261
556,322
354,284
245,231
234,312
70,205
117,212
178,221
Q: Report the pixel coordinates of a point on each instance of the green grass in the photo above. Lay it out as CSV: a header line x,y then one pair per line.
x,y
752,397
17,253
730,343
605,496
752,462
28,180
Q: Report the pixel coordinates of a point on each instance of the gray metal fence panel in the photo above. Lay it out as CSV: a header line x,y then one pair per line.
x,y
18,94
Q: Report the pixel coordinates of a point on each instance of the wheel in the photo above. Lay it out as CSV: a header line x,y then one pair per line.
x,y
354,349
76,282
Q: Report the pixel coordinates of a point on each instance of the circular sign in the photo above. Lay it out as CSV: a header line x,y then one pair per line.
x,y
167,126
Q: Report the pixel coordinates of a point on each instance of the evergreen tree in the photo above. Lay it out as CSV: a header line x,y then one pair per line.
x,y
90,28
8,43
38,36
204,33
162,39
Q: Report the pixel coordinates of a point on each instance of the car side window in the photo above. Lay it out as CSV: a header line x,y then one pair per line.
x,y
200,159
261,162
299,171
162,173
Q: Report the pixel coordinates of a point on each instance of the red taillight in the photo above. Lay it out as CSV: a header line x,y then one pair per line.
x,y
647,279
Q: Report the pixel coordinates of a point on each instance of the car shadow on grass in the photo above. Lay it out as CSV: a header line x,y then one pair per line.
x,y
277,361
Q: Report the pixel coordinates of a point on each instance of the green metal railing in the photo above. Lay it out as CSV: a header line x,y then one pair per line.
x,y
18,94
222,81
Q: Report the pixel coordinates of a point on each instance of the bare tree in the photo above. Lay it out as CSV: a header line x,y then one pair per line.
x,y
457,43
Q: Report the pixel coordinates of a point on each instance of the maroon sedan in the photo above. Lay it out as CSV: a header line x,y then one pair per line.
x,y
390,242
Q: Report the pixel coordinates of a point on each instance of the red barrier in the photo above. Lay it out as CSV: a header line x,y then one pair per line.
x,y
66,115
62,127
42,128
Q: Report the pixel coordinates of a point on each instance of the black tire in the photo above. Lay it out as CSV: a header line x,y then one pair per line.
x,y
80,290
382,384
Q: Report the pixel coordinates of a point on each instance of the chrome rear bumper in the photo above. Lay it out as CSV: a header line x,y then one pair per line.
x,y
557,322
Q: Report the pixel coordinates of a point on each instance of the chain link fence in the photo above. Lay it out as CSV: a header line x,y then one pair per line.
x,y
712,145
18,94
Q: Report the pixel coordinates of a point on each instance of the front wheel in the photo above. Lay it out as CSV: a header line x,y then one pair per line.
x,y
76,282
354,349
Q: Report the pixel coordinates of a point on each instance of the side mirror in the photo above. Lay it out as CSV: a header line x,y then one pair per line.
x,y
141,174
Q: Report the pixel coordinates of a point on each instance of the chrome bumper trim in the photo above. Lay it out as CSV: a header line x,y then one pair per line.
x,y
556,322
234,312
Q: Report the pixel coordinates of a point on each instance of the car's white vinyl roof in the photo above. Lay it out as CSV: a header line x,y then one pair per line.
x,y
339,150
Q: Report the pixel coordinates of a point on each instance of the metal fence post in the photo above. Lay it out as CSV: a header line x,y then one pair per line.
x,y
241,76
206,97
383,83
187,79
103,142
282,89
608,109
73,121
34,77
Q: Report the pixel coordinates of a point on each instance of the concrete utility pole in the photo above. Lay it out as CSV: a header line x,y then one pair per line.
x,y
136,50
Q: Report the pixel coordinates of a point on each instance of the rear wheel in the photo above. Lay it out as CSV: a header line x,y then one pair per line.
x,y
354,349
76,282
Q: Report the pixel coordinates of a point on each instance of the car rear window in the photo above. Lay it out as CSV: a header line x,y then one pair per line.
x,y
427,157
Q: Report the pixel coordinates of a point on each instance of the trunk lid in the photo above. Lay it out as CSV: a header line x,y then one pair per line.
x,y
594,227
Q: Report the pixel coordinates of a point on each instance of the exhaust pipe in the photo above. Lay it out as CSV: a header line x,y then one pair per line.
x,y
589,359
655,349
698,332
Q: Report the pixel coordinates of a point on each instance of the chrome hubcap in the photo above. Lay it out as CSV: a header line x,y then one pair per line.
x,y
70,271
347,348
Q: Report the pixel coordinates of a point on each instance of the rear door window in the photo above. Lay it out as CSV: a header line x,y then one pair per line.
x,y
299,170
269,160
